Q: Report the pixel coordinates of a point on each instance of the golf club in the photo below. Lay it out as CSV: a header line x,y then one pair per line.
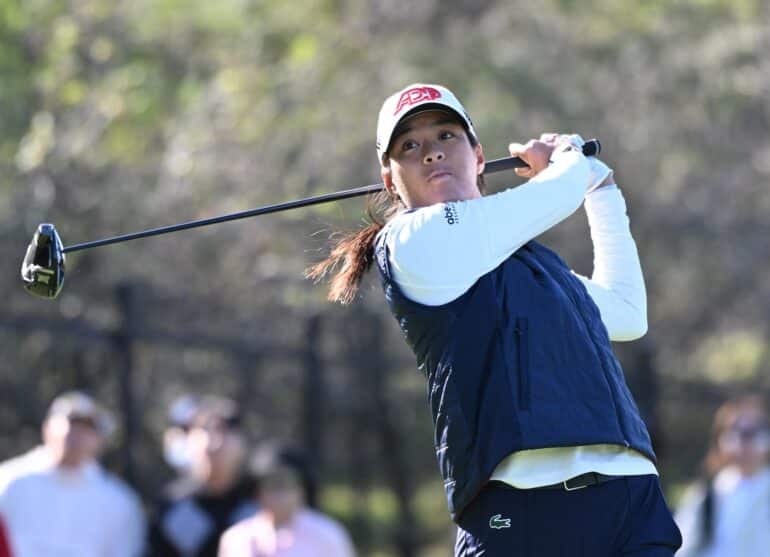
x,y
42,269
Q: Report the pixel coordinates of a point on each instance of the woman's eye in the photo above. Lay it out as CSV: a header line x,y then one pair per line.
x,y
408,144
446,135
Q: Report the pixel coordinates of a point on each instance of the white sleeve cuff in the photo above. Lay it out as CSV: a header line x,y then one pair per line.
x,y
599,172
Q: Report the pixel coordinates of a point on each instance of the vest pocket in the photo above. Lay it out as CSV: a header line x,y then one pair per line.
x,y
521,334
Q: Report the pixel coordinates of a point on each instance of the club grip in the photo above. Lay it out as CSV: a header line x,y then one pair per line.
x,y
591,148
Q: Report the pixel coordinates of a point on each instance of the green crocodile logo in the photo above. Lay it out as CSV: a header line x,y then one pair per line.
x,y
498,522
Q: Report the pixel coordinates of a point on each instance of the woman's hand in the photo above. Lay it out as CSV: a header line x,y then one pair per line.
x,y
537,152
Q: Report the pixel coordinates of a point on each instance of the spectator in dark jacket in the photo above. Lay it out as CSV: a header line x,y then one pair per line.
x,y
214,490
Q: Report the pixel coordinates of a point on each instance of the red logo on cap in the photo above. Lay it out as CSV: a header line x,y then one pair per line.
x,y
416,95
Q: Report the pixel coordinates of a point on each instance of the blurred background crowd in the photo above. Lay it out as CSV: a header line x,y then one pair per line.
x,y
119,116
230,497
225,500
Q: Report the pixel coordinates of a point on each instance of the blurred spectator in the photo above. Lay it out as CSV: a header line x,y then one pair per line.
x,y
728,513
285,525
60,502
34,460
176,451
212,491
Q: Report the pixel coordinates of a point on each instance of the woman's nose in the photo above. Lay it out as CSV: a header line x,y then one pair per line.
x,y
433,154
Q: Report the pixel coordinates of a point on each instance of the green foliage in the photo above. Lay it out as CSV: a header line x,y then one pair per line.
x,y
116,116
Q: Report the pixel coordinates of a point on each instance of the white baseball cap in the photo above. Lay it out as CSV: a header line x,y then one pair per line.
x,y
410,100
79,405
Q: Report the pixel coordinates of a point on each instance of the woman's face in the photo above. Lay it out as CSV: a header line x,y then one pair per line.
x,y
432,161
746,441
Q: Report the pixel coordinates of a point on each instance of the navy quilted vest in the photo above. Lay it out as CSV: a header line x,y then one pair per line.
x,y
521,360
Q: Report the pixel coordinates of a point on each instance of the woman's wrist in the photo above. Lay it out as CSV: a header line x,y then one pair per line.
x,y
602,176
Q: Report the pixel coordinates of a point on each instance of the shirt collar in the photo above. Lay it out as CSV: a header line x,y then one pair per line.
x,y
88,471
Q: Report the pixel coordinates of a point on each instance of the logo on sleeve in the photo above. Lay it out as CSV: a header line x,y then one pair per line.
x,y
416,95
497,522
450,214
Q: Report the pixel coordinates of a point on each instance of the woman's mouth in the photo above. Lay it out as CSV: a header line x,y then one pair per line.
x,y
438,175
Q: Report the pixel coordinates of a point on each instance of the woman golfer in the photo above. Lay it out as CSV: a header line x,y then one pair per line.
x,y
539,442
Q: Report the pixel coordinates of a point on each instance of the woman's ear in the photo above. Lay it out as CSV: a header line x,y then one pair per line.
x,y
480,160
387,180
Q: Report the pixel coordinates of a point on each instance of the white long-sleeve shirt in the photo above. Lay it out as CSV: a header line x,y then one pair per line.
x,y
437,253
52,512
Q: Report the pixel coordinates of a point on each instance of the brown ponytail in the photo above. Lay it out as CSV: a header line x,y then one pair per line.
x,y
352,254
